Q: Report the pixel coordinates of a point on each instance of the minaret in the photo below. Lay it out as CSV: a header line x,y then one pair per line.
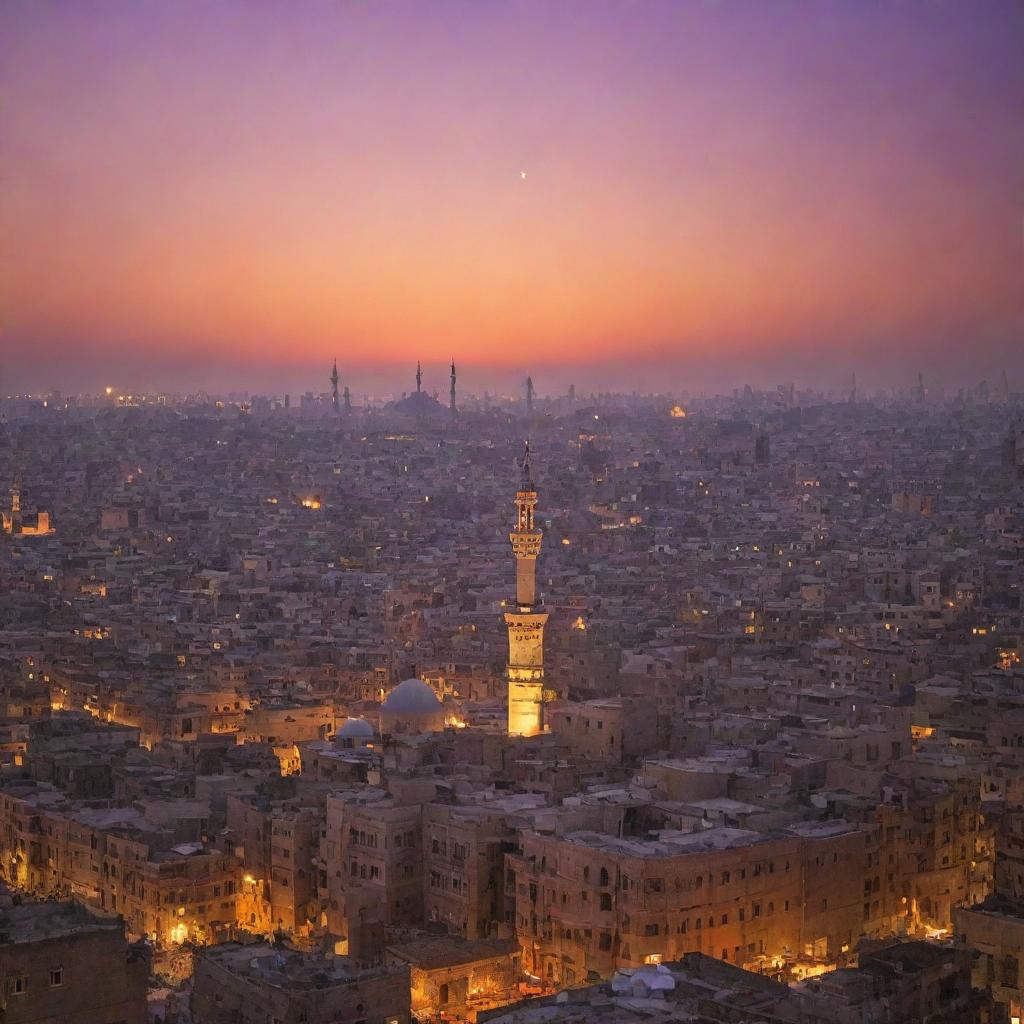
x,y
451,401
525,671
348,400
419,377
334,387
16,507
529,394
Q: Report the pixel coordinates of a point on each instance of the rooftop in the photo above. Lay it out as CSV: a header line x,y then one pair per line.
x,y
38,921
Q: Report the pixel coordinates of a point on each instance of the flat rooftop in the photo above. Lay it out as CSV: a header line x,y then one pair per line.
x,y
287,968
669,842
39,920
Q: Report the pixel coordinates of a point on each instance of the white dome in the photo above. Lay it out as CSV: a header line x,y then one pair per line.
x,y
356,729
412,697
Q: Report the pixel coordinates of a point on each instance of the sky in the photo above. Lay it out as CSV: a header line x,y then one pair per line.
x,y
619,194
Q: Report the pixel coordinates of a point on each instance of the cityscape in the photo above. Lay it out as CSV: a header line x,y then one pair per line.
x,y
511,513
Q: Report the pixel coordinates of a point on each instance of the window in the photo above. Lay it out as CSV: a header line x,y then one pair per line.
x,y
18,985
603,877
56,977
606,901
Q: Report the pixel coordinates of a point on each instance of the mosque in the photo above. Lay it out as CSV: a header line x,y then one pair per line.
x,y
15,523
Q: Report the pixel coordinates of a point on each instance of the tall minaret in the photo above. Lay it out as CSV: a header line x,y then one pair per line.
x,y
451,401
334,386
16,507
419,376
526,624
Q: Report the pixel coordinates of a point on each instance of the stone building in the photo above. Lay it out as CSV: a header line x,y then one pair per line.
x,y
114,860
371,869
52,955
463,866
588,903
454,976
236,984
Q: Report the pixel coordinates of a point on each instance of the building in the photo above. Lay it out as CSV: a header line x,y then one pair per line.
x,y
236,984
52,954
455,976
588,903
15,523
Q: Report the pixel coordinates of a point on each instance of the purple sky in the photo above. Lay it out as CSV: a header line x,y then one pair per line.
x,y
714,192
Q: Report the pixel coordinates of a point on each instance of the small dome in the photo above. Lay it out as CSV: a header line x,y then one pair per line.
x,y
412,697
356,729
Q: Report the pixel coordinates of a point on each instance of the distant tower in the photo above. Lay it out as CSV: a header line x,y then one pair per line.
x,y
16,507
334,387
529,394
451,401
287,401
853,389
762,450
347,399
572,394
525,671
419,377
920,387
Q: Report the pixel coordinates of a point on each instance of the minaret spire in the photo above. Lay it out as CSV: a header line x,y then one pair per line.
x,y
334,386
529,394
525,671
419,377
451,402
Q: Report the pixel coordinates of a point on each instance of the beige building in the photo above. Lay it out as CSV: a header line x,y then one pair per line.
x,y
589,903
53,954
236,984
457,977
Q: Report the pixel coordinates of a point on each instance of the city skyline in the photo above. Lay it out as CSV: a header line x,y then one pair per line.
x,y
710,194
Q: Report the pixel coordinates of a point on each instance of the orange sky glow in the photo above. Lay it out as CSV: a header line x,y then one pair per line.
x,y
268,186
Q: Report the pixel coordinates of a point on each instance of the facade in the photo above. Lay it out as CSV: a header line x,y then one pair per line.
x,y
118,863
457,977
463,871
588,904
51,957
371,864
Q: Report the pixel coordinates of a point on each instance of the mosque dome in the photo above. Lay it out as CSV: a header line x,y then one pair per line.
x,y
356,729
411,697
